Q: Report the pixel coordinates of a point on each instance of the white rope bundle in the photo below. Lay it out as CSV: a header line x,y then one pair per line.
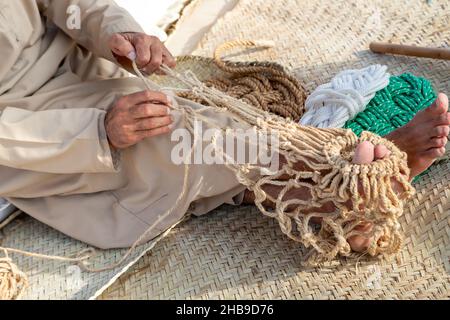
x,y
332,104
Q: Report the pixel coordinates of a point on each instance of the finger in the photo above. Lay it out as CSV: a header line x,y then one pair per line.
x,y
153,123
122,47
149,110
156,58
142,45
168,59
148,96
140,135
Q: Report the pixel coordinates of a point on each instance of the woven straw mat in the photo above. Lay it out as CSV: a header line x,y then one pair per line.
x,y
238,253
53,280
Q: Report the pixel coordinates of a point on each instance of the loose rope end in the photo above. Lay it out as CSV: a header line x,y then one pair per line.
x,y
13,281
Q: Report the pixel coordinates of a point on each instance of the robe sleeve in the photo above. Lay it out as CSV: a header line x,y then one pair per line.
x,y
39,141
99,20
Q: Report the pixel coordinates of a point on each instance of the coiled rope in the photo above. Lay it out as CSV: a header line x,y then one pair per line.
x,y
264,85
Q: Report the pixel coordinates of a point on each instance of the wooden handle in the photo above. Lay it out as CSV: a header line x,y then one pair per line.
x,y
434,53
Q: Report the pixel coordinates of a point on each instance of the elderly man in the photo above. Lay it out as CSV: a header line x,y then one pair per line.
x,y
86,151
82,147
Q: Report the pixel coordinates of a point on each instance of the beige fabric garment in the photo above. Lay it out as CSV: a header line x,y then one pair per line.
x,y
197,19
55,161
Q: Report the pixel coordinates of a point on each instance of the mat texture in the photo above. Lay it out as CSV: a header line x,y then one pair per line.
x,y
53,280
238,253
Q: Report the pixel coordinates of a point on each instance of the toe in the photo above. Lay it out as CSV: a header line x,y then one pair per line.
x,y
381,152
440,105
364,153
361,243
441,131
434,153
438,142
443,102
442,119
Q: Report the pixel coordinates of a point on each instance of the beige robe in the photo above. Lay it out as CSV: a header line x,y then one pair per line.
x,y
55,160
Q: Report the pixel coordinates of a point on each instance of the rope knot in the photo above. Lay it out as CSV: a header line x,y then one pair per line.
x,y
331,105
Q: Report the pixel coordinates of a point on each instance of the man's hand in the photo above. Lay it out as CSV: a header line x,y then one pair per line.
x,y
148,51
136,117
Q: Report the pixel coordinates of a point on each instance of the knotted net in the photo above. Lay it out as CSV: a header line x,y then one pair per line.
x,y
317,162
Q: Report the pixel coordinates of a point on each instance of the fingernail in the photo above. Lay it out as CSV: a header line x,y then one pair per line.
x,y
132,56
171,126
170,100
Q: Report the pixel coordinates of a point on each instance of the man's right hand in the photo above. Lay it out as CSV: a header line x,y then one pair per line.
x,y
136,117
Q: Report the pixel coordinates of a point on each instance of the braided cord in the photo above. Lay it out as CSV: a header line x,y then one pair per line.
x,y
394,106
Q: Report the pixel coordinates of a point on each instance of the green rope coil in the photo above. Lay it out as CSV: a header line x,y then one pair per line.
x,y
394,106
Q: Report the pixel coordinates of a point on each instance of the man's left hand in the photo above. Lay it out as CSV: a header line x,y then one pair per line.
x,y
148,51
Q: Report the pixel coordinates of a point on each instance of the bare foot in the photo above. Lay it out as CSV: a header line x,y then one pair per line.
x,y
365,153
425,136
423,139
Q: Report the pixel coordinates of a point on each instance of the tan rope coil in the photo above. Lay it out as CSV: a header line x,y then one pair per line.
x,y
265,85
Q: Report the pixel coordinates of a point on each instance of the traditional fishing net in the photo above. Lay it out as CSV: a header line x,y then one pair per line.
x,y
317,162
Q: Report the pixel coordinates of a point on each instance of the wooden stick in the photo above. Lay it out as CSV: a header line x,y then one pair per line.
x,y
433,53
